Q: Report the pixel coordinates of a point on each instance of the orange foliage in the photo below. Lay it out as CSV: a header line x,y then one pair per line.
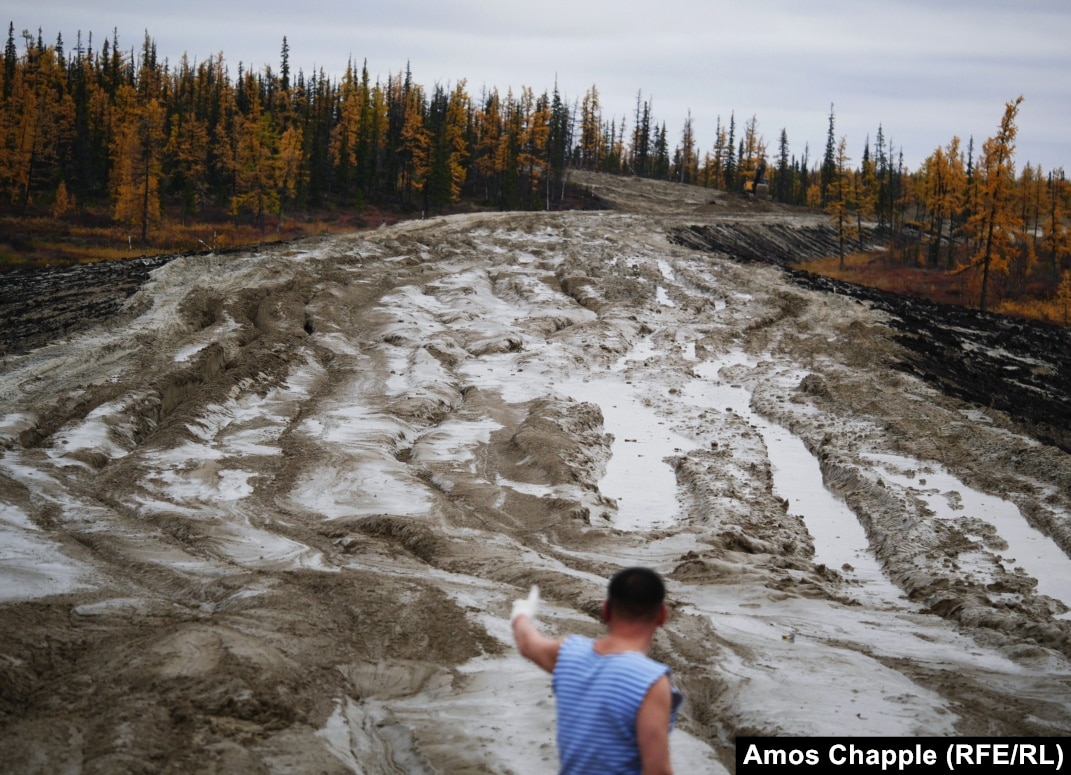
x,y
883,271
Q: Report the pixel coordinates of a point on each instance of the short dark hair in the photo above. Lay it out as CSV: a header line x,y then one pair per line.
x,y
636,594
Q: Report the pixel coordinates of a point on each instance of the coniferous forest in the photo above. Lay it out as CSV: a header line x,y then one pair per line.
x,y
124,139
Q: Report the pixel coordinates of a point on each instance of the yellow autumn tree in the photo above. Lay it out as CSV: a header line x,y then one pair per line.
x,y
256,167
839,199
488,135
61,204
36,115
941,190
186,153
996,220
342,150
289,169
1063,297
754,151
457,116
591,135
137,146
539,144
864,192
415,144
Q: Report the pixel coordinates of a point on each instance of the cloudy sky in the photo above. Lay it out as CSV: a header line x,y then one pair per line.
x,y
925,70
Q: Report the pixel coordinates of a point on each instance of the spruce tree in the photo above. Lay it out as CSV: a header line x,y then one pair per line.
x,y
11,58
829,161
730,155
782,187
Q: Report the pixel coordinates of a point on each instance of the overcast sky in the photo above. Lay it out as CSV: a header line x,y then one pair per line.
x,y
925,70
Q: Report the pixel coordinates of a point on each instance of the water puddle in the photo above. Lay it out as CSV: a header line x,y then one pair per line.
x,y
637,475
644,484
662,297
840,540
1029,550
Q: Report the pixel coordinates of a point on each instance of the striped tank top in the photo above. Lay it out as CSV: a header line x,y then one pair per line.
x,y
597,697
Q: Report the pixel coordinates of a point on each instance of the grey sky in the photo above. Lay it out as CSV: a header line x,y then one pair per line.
x,y
924,69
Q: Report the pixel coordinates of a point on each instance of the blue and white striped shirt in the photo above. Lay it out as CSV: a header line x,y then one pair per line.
x,y
597,697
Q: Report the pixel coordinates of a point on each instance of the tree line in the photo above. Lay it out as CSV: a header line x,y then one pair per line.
x,y
962,211
124,130
121,127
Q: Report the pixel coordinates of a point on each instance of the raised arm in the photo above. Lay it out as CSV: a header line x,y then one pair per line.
x,y
533,644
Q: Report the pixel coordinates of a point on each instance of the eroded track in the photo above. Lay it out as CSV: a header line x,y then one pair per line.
x,y
272,515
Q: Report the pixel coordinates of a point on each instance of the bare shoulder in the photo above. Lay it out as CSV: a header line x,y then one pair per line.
x,y
652,726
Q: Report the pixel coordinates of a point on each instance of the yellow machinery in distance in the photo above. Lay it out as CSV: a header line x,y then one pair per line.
x,y
755,183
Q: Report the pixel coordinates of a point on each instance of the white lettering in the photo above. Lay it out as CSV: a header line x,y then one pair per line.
x,y
834,752
752,755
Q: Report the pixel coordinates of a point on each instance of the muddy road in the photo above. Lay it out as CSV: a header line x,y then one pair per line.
x,y
269,512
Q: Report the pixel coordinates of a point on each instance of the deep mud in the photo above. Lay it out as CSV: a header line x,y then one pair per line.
x,y
269,515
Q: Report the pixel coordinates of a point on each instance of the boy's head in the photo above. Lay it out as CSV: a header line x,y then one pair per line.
x,y
636,594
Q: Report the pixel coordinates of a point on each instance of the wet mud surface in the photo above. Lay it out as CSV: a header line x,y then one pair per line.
x,y
267,511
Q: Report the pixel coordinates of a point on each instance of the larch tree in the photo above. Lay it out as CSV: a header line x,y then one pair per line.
x,y
689,161
289,170
413,149
1063,297
956,196
996,220
488,131
540,121
936,195
752,149
343,149
257,170
458,134
1057,240
137,147
1028,195
591,130
864,194
839,196
186,153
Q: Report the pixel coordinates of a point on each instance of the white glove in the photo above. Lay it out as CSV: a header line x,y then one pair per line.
x,y
527,607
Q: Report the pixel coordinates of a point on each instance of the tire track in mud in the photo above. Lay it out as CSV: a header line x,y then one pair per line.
x,y
418,368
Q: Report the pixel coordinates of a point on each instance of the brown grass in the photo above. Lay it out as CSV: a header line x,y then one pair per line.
x,y
33,241
38,239
962,288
